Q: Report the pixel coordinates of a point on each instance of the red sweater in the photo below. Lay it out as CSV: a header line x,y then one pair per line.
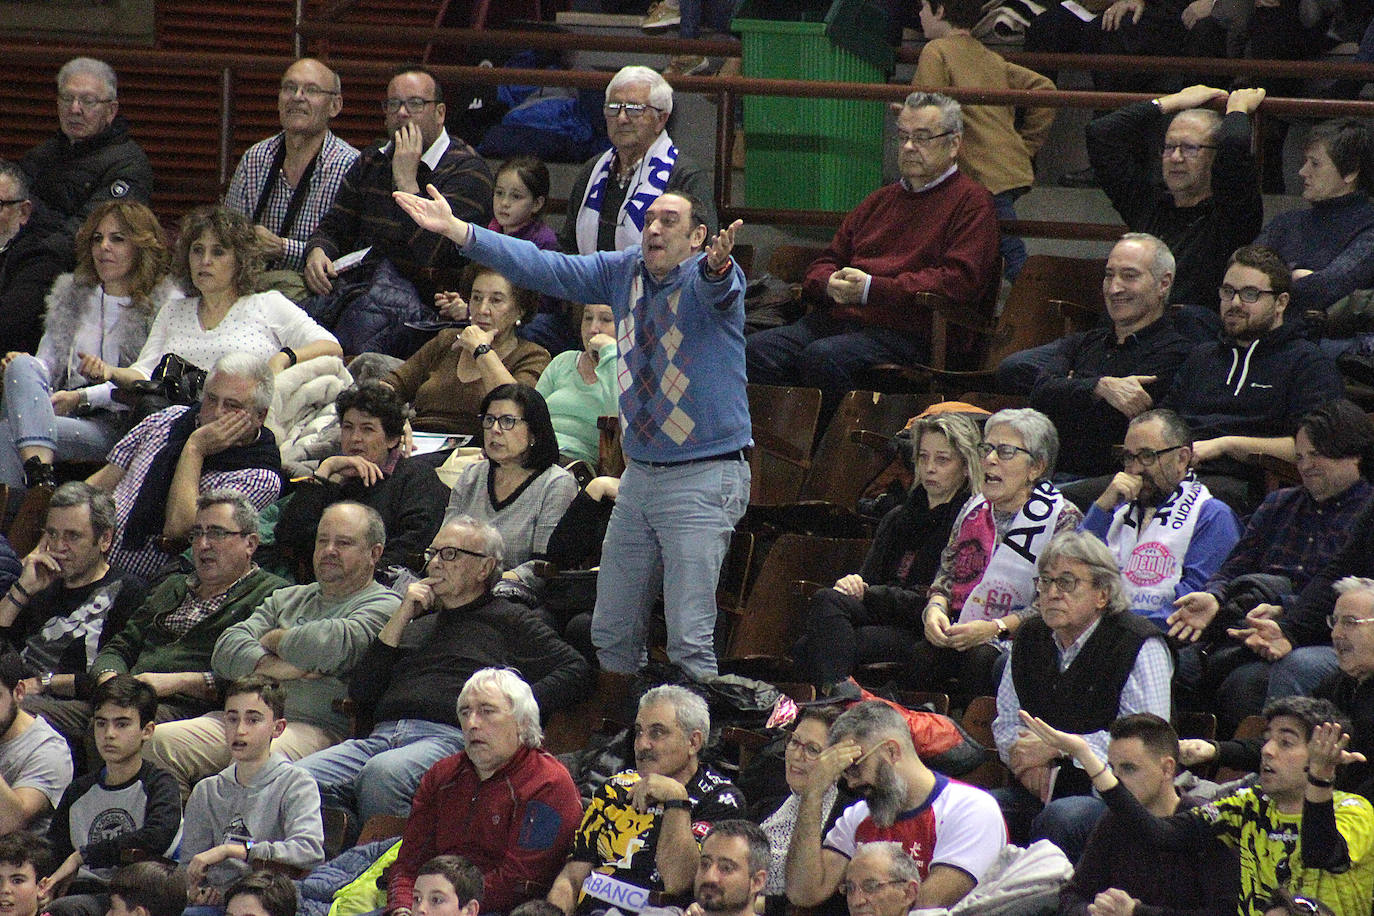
x,y
941,240
516,826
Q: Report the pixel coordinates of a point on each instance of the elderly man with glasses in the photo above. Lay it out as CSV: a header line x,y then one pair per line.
x,y
92,159
411,263
934,231
611,194
168,642
446,628
1082,663
1349,688
287,183
28,264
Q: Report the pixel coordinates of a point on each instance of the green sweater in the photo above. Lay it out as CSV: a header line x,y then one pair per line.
x,y
323,637
145,645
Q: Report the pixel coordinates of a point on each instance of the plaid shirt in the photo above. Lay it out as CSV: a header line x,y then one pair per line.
x,y
1293,535
193,610
334,160
135,453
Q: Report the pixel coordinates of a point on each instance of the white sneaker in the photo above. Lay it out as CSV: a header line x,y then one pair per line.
x,y
663,14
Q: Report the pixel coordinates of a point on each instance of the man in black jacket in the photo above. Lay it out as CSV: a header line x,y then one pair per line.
x,y
92,159
448,627
27,265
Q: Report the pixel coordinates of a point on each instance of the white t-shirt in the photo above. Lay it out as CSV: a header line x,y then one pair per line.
x,y
40,759
260,325
958,825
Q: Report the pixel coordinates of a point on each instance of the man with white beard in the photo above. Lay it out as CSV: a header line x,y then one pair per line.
x,y
953,831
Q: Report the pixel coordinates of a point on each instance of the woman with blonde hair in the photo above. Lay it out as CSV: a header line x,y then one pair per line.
x,y
57,404
874,615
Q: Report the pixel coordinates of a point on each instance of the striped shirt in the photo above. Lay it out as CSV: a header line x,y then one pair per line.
x,y
250,177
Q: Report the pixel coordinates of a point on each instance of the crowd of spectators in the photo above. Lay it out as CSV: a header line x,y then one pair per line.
x,y
209,662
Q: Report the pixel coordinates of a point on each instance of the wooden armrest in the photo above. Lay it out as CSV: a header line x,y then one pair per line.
x,y
805,588
544,569
955,313
1075,315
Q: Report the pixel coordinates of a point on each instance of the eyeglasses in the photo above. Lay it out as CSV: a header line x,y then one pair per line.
x,y
806,749
506,421
1248,294
313,92
632,110
904,137
449,554
1067,583
1005,452
1146,457
868,887
67,99
1334,621
1187,150
11,203
413,105
854,767
211,533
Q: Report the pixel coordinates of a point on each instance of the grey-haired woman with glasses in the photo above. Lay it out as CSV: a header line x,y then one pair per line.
x,y
985,586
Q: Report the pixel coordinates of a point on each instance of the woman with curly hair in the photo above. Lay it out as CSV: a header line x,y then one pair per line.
x,y
218,262
57,404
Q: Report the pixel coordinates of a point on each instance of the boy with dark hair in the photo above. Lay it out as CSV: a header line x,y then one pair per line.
x,y
1292,830
263,893
23,857
152,888
129,804
260,808
448,886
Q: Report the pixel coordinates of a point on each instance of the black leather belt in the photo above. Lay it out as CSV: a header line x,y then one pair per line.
x,y
739,454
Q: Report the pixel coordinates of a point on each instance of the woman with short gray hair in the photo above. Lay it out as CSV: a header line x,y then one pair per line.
x,y
985,587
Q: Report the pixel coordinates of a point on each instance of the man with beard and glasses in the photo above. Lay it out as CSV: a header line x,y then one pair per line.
x,y
35,764
731,873
1168,533
637,842
952,831
1243,393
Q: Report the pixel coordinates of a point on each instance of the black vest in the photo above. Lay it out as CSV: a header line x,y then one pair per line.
x,y
1085,697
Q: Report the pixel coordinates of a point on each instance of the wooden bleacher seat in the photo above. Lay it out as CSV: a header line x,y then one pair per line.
x,y
784,429
762,627
1051,297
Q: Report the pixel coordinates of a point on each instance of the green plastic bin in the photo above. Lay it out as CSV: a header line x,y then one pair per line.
x,y
807,154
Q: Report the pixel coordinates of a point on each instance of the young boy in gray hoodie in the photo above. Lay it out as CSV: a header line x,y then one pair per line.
x,y
261,808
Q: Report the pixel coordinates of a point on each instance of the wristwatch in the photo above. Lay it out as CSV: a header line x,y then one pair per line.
x,y
682,803
481,350
45,681
1003,631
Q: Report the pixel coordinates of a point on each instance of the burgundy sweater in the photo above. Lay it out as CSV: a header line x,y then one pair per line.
x,y
942,240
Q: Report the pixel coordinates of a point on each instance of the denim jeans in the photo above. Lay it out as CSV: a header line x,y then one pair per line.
x,y
28,419
671,526
380,773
